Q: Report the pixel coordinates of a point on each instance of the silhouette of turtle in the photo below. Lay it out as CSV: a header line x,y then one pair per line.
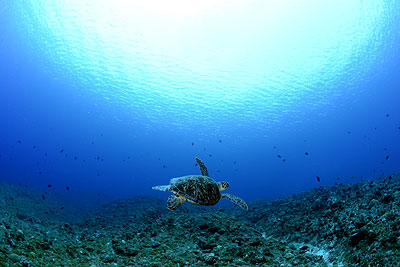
x,y
197,189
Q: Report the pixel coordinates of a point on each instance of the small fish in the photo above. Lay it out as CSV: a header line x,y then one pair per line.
x,y
34,147
352,177
387,115
129,157
98,158
387,157
192,143
98,174
274,147
284,160
385,149
218,171
67,187
337,178
76,158
348,132
210,155
62,150
390,177
43,197
195,164
19,141
40,172
92,143
234,162
159,159
62,208
45,154
279,156
306,153
164,166
49,185
220,140
318,179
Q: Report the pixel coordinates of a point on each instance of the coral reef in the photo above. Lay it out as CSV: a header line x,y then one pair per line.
x,y
342,225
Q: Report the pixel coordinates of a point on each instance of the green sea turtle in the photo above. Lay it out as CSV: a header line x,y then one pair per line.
x,y
197,189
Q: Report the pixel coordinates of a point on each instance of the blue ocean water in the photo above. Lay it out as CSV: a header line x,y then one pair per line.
x,y
114,98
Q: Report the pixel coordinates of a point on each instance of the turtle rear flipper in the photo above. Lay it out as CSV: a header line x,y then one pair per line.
x,y
203,167
161,188
174,202
236,200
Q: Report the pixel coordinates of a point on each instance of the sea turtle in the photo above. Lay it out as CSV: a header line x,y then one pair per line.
x,y
197,189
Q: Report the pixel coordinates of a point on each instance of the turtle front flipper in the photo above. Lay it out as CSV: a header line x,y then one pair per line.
x,y
174,202
161,188
203,167
236,200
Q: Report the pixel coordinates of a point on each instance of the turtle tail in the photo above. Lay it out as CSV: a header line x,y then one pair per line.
x,y
236,200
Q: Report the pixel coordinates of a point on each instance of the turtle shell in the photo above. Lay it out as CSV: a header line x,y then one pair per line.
x,y
201,190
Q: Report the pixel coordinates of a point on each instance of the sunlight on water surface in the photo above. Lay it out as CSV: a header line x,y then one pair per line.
x,y
190,62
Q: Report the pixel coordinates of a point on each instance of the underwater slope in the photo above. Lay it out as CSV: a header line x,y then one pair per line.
x,y
357,224
343,225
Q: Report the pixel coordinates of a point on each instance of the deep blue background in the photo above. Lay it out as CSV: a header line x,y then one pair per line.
x,y
120,153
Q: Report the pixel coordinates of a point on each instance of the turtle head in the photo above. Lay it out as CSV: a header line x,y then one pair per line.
x,y
223,186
